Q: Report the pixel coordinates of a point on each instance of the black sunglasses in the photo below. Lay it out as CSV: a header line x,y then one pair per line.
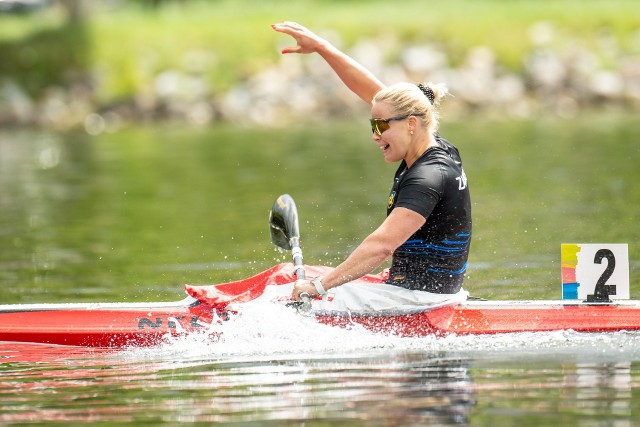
x,y
380,125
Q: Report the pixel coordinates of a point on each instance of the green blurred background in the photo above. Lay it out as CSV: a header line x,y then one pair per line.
x,y
110,55
127,167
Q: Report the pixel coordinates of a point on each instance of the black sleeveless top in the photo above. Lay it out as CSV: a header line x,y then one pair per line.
x,y
434,259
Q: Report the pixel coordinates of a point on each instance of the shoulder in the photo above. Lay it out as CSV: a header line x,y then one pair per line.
x,y
427,172
448,147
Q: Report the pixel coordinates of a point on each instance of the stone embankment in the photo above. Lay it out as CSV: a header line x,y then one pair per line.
x,y
557,77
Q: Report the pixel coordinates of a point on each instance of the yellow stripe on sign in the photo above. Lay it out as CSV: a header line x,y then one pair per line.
x,y
569,253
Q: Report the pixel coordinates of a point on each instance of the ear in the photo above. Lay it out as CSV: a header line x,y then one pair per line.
x,y
413,123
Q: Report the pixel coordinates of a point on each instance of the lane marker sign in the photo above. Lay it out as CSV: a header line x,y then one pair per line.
x,y
595,272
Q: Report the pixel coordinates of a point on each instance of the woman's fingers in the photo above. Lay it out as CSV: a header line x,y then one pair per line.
x,y
287,28
306,39
291,49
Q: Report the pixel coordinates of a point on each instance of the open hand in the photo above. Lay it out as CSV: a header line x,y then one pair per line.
x,y
308,42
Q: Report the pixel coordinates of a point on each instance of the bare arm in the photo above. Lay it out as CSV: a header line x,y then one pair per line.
x,y
357,78
372,252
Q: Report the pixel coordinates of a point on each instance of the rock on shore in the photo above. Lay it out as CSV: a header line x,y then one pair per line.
x,y
553,80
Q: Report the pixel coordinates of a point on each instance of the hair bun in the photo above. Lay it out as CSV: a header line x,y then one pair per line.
x,y
428,92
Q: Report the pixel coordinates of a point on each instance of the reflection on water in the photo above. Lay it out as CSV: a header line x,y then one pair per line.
x,y
272,366
529,379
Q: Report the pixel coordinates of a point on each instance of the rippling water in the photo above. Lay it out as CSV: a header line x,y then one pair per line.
x,y
273,367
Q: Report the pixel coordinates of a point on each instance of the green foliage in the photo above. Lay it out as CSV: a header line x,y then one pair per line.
x,y
50,56
126,46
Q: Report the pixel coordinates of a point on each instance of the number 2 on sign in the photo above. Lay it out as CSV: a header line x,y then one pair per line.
x,y
602,290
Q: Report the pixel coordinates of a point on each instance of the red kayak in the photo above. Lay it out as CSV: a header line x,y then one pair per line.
x,y
144,324
206,308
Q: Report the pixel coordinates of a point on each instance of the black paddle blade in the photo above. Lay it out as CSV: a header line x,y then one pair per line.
x,y
283,223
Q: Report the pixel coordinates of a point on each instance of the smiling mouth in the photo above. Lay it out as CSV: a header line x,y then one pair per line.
x,y
384,147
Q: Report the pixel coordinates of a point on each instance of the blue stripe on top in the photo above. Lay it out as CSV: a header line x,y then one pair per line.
x,y
445,249
462,270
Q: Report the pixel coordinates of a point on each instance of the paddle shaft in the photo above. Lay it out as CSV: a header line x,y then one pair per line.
x,y
298,261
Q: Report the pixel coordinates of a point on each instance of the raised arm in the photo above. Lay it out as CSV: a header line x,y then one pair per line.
x,y
357,78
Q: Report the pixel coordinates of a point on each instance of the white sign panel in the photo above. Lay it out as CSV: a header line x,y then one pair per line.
x,y
595,272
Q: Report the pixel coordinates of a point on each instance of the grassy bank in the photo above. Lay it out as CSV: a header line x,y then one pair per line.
x,y
125,46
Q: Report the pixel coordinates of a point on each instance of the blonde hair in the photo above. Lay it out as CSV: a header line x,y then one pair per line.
x,y
409,99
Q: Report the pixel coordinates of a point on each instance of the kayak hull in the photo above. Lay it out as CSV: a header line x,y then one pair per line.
x,y
145,324
487,317
119,325
102,325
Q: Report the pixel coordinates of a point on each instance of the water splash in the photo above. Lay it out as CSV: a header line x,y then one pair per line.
x,y
265,330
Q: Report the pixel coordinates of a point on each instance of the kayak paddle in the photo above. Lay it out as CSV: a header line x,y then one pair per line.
x,y
285,233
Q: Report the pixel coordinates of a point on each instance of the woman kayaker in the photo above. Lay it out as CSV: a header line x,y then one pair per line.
x,y
428,226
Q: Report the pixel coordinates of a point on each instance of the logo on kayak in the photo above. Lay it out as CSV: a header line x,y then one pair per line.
x,y
177,322
392,197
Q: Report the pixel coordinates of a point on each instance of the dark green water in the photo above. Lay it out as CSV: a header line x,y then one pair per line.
x,y
133,215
